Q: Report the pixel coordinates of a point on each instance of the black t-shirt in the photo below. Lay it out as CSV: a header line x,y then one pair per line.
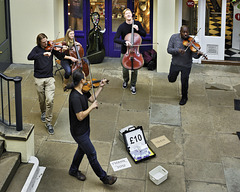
x,y
123,30
78,102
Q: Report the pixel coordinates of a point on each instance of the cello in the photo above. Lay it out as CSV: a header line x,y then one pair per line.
x,y
95,47
78,54
133,59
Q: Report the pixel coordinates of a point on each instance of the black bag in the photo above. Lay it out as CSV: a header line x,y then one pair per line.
x,y
150,59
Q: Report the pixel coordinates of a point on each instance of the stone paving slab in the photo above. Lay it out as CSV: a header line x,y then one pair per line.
x,y
232,173
196,170
200,147
201,186
165,114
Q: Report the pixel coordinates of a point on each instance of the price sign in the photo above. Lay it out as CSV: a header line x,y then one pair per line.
x,y
135,138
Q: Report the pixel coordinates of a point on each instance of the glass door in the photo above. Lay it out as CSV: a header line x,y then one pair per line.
x,y
213,26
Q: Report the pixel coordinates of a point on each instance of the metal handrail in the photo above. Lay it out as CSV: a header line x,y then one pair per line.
x,y
18,101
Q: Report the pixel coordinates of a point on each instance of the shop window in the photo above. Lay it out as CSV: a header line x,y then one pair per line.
x,y
2,23
213,18
142,13
75,14
117,13
99,7
190,15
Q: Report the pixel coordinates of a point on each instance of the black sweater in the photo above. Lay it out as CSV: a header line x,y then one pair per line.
x,y
43,65
123,30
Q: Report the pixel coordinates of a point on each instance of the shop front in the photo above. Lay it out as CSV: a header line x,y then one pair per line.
x,y
215,25
78,16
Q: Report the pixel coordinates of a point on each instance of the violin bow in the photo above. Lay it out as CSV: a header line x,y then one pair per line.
x,y
54,42
90,74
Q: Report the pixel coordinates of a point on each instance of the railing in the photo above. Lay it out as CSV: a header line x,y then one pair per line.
x,y
18,101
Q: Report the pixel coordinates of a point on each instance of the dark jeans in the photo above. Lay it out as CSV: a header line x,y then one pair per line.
x,y
185,72
85,146
66,66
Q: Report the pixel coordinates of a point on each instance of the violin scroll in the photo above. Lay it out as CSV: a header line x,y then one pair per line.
x,y
52,45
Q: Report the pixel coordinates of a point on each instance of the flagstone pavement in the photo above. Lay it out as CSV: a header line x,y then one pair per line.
x,y
203,153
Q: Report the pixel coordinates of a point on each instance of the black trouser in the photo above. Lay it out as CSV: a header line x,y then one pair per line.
x,y
185,72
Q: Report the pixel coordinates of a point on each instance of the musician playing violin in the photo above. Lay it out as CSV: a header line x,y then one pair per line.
x,y
68,60
122,31
181,60
43,76
79,112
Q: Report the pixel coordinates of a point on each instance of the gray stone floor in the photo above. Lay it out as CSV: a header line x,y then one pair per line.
x,y
203,154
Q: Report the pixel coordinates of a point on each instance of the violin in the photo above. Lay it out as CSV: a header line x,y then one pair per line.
x,y
132,59
51,45
194,47
94,83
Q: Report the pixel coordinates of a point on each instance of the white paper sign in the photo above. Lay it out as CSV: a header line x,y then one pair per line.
x,y
120,164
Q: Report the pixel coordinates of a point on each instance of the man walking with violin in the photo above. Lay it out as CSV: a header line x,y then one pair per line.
x,y
124,29
79,117
43,76
181,60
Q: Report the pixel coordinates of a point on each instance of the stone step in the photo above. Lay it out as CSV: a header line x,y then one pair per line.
x,y
20,177
1,147
9,163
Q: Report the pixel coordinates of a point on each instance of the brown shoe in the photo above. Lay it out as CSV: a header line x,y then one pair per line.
x,y
109,180
78,175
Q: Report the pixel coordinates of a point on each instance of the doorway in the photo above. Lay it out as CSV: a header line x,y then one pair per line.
x,y
110,18
208,18
5,43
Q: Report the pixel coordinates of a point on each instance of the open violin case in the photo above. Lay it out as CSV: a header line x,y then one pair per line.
x,y
136,144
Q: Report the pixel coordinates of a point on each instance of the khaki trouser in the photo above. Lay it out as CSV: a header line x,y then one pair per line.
x,y
45,89
125,71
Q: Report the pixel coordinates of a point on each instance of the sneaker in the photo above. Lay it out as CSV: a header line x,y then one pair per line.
x,y
183,101
133,90
78,175
50,129
109,180
125,84
43,117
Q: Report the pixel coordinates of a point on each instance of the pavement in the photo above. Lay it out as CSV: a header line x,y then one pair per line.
x,y
203,153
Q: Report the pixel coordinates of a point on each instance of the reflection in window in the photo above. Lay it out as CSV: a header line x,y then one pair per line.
x,y
142,13
99,7
75,14
117,16
190,16
213,18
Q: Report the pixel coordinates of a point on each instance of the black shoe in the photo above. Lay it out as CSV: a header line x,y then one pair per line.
x,y
183,101
109,180
125,84
78,175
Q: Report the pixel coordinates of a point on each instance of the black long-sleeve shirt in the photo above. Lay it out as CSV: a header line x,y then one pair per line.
x,y
185,60
43,65
123,30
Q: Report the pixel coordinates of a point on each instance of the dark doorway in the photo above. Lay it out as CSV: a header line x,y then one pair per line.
x,y
5,43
